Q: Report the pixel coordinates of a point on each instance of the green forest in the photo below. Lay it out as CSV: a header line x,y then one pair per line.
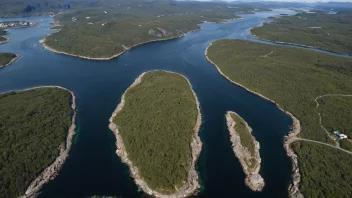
x,y
33,124
156,125
6,58
2,33
326,172
245,136
336,115
291,77
319,29
107,31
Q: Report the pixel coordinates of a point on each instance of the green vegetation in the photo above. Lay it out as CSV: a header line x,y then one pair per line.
x,y
107,31
346,144
327,31
246,138
292,82
294,78
34,123
2,33
326,172
156,125
336,113
6,58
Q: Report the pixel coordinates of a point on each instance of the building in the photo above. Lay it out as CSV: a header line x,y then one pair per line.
x,y
340,135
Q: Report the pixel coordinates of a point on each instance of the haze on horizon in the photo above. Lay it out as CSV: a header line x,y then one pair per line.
x,y
298,1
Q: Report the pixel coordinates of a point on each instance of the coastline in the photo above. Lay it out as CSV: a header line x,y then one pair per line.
x,y
295,44
13,60
50,172
3,42
42,41
295,130
192,184
253,179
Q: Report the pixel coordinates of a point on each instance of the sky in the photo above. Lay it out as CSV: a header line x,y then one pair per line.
x,y
306,1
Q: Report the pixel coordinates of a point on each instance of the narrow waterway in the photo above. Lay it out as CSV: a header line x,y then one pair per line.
x,y
93,167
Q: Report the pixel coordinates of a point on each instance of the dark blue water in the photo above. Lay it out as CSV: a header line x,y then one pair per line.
x,y
93,167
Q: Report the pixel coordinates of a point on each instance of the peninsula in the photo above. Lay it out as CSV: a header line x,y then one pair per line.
x,y
316,28
276,74
156,126
7,58
44,121
246,149
105,33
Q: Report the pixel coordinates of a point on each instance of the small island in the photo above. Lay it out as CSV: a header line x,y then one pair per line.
x,y
36,132
246,149
7,58
156,126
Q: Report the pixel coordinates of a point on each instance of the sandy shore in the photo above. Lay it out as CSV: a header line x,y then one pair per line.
x,y
53,170
13,60
296,129
192,184
253,179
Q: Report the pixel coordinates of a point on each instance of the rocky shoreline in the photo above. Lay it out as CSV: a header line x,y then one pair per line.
x,y
192,184
293,188
253,179
295,44
52,171
3,42
42,41
13,60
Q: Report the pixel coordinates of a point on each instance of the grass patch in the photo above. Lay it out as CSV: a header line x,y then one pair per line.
x,y
33,125
325,171
156,124
327,31
6,58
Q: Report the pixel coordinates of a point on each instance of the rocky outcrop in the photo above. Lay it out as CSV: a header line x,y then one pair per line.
x,y
192,184
293,189
250,164
53,170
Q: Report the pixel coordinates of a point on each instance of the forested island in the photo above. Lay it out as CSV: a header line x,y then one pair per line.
x,y
6,59
3,39
317,28
277,74
156,126
106,32
36,130
246,149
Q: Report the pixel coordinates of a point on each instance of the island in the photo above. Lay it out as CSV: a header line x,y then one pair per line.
x,y
7,58
316,28
156,125
292,79
246,149
36,131
3,39
109,31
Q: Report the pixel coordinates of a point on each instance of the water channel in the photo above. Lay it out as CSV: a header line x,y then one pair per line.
x,y
93,167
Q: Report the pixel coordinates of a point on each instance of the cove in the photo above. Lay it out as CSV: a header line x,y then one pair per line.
x,y
93,167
